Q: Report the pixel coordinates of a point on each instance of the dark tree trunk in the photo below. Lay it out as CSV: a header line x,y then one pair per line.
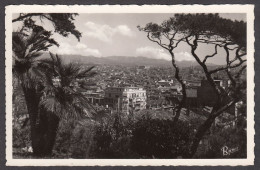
x,y
49,124
217,110
43,125
32,102
203,129
184,95
199,135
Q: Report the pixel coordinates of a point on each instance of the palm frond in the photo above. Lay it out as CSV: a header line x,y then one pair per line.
x,y
86,73
70,102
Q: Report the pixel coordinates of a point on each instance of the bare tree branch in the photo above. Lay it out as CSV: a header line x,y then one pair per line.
x,y
226,67
158,42
184,96
178,41
203,65
208,56
240,71
21,17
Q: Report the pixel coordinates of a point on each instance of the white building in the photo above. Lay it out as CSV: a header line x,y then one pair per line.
x,y
125,99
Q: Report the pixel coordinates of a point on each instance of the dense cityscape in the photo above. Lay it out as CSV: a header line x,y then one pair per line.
x,y
157,86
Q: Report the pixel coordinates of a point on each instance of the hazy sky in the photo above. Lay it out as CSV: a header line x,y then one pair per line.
x,y
117,35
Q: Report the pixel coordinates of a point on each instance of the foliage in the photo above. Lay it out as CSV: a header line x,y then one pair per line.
x,y
143,137
155,138
21,134
212,26
61,93
232,138
74,139
113,138
62,22
120,136
27,47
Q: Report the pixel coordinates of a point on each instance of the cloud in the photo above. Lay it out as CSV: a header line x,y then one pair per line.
x,y
94,52
124,30
81,46
79,49
150,52
184,56
105,33
160,53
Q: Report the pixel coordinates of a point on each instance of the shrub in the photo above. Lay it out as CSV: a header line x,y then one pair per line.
x,y
21,137
74,139
113,137
145,137
156,138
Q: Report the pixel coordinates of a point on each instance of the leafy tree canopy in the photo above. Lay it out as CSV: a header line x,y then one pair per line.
x,y
27,47
207,26
62,94
62,22
212,26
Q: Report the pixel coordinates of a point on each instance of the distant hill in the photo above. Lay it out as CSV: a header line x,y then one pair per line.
x,y
123,60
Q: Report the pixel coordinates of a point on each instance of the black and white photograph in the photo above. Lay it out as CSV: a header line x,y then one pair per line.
x,y
139,85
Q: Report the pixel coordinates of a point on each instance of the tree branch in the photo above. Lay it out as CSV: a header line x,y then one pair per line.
x,y
206,125
188,41
204,66
21,17
184,96
225,68
240,71
158,42
178,41
233,82
208,56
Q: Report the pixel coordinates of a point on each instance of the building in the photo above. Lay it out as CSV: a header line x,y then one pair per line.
x,y
192,83
206,94
164,83
94,98
192,97
125,99
202,93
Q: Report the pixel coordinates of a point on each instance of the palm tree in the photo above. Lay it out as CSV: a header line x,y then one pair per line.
x,y
27,46
61,97
47,100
